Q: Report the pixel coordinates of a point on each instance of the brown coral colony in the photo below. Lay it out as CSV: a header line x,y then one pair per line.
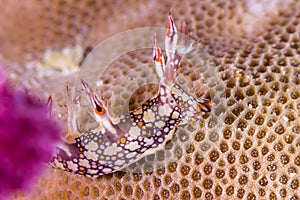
x,y
256,155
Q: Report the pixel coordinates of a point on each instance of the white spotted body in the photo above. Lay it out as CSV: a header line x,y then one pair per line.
x,y
141,132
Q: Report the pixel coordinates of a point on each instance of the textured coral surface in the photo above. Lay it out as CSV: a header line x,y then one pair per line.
x,y
256,47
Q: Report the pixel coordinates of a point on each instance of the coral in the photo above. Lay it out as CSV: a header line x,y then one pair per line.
x,y
255,45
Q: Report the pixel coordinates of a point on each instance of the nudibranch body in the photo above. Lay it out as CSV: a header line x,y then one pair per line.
x,y
113,146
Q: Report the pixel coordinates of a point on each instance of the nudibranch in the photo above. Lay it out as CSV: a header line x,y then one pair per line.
x,y
113,146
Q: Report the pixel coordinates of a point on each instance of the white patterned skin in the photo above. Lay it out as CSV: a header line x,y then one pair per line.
x,y
141,132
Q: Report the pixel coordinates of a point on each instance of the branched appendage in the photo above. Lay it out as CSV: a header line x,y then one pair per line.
x,y
159,61
73,132
173,60
111,147
100,111
193,108
175,54
184,28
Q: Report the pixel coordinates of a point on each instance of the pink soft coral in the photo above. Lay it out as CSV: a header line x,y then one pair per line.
x,y
27,138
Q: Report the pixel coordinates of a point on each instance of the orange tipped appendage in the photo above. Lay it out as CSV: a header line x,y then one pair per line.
x,y
157,54
97,105
171,27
